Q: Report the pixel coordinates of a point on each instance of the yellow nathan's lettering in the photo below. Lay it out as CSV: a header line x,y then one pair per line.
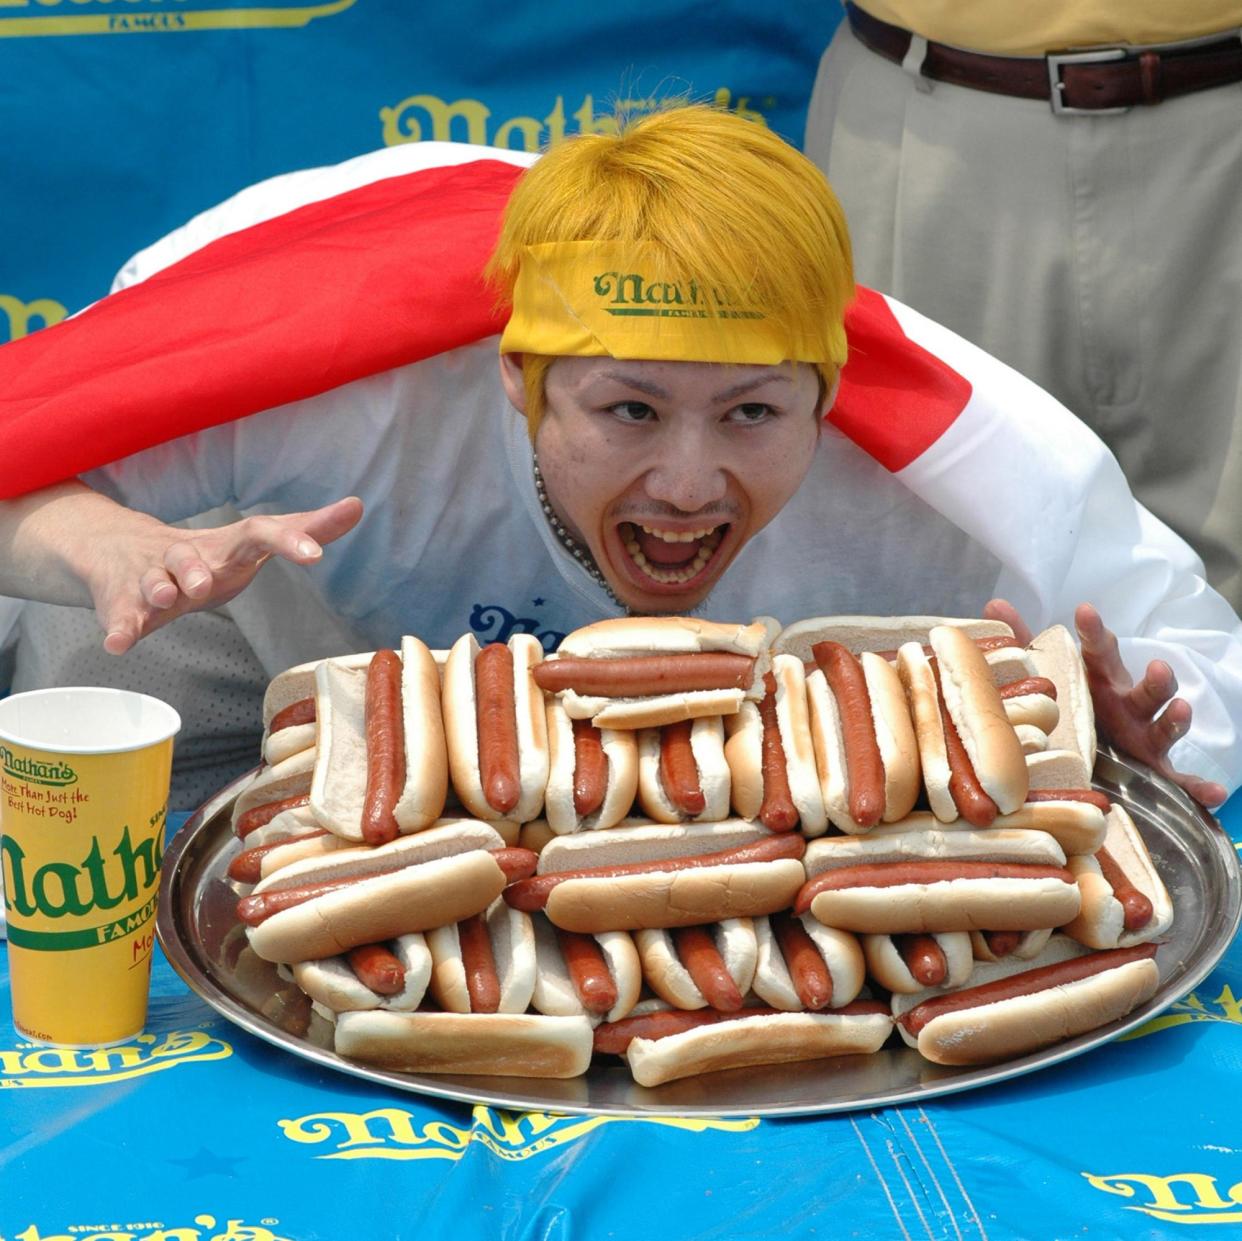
x,y
1183,1194
406,121
359,1129
20,314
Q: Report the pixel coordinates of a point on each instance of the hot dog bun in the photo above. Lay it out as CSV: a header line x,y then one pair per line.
x,y
779,1038
876,633
461,726
289,780
494,1044
744,751
413,884
630,636
1056,656
620,751
1000,1029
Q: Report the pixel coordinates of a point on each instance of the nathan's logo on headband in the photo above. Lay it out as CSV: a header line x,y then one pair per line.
x,y
58,773
631,293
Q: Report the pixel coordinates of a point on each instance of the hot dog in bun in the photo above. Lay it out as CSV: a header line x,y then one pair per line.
x,y
1124,900
381,768
1014,1007
709,966
803,965
682,772
908,963
322,907
640,671
592,773
913,877
627,878
496,727
771,756
484,963
392,976
596,976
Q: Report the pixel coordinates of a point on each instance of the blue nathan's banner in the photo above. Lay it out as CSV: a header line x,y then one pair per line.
x,y
121,119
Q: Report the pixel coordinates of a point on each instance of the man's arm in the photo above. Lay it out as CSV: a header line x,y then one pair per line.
x,y
70,545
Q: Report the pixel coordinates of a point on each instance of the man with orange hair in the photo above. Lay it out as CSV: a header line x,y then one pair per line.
x,y
681,298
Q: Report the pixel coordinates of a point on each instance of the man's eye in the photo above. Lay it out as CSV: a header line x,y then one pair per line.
x,y
752,411
632,411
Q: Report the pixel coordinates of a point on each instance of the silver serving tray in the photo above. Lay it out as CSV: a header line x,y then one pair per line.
x,y
204,942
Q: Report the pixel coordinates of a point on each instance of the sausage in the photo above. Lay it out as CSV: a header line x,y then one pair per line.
x,y
613,1037
516,863
924,958
496,715
246,867
1029,685
698,953
1090,796
1002,943
972,802
638,676
862,752
1027,982
897,874
259,816
377,966
812,980
300,712
258,906
590,768
679,773
385,726
588,971
482,981
531,894
1136,905
777,811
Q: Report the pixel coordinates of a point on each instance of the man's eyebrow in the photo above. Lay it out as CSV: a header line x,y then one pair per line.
x,y
749,385
727,394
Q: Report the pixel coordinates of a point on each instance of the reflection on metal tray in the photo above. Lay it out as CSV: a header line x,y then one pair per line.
x,y
201,937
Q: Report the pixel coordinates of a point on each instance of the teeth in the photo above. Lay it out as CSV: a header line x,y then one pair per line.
x,y
683,536
670,576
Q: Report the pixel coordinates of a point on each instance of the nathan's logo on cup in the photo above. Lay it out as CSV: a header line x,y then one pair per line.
x,y
96,884
57,773
632,293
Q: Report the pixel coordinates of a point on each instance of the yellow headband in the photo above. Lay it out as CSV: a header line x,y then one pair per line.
x,y
617,299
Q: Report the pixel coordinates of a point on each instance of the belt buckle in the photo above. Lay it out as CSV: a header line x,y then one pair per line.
x,y
1056,86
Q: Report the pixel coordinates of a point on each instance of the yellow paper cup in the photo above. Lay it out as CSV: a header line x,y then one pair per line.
x,y
83,796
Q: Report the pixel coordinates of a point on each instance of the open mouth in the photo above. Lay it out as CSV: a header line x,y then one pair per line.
x,y
664,558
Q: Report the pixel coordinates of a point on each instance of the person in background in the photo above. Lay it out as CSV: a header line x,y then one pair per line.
x,y
1075,213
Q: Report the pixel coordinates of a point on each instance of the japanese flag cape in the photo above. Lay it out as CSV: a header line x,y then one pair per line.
x,y
312,280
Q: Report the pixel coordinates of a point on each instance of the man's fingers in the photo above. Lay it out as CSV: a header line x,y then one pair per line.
x,y
188,569
1207,793
333,520
1170,726
158,589
1155,689
1004,611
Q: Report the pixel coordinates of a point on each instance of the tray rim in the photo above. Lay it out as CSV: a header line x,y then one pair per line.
x,y
532,1094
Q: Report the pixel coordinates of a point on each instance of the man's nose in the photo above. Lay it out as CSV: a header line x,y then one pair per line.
x,y
688,476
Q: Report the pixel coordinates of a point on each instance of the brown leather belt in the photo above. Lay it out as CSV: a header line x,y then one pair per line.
x,y
1099,80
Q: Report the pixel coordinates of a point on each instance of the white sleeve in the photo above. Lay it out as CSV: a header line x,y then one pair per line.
x,y
1023,476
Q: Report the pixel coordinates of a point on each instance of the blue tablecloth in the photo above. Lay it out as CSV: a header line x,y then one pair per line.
x,y
200,1132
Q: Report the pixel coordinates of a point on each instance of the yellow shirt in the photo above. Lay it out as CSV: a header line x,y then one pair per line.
x,y
1033,27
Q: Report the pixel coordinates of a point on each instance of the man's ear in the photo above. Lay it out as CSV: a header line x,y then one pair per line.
x,y
512,379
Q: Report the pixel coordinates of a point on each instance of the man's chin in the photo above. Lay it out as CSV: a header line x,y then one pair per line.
x,y
659,603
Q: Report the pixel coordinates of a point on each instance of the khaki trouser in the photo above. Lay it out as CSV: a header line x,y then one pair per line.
x,y
1101,256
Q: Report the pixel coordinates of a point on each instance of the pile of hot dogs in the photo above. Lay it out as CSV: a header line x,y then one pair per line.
x,y
696,846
